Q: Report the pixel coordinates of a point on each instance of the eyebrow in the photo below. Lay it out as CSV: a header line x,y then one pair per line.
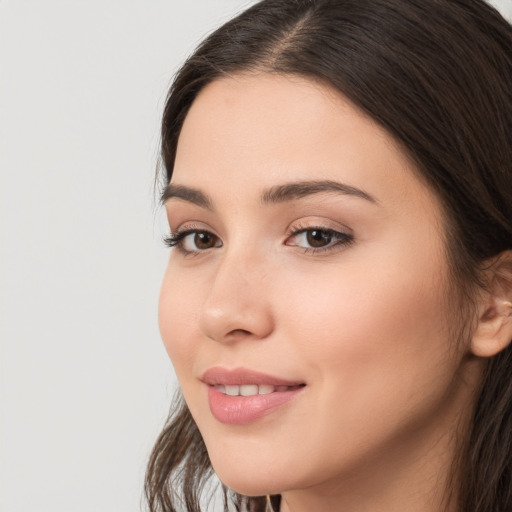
x,y
188,194
273,195
297,190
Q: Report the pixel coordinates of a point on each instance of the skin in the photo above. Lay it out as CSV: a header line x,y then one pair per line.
x,y
367,325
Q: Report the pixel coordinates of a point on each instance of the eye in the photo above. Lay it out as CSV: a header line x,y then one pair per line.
x,y
316,239
193,241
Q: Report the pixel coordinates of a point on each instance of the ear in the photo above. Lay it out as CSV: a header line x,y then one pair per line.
x,y
494,330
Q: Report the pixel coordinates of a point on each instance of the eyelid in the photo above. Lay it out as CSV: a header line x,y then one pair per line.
x,y
191,226
301,225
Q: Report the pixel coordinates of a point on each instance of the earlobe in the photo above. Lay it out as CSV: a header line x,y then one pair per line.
x,y
494,330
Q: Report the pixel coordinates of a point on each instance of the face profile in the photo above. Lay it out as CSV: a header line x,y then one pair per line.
x,y
337,301
339,295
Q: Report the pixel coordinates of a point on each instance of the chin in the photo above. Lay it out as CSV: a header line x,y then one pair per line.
x,y
251,488
251,481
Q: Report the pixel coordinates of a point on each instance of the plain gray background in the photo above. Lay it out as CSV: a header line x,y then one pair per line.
x,y
85,383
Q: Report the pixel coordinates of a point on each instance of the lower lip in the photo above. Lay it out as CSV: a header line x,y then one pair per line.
x,y
240,410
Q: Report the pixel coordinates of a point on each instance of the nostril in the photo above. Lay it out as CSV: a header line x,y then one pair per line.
x,y
239,332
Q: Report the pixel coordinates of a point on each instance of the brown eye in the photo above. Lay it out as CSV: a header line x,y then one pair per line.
x,y
318,237
193,241
204,240
319,240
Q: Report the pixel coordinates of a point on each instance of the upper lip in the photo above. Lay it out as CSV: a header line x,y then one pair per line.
x,y
242,376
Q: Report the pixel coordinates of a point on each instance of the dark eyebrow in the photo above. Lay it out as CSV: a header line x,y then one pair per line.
x,y
296,190
276,194
191,195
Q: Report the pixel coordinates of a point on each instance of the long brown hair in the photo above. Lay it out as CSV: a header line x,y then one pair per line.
x,y
437,75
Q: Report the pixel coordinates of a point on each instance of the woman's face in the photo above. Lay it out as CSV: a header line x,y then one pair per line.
x,y
310,274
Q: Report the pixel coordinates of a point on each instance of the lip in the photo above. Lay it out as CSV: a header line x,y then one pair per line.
x,y
241,410
240,376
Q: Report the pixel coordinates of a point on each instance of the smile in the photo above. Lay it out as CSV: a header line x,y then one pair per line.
x,y
252,389
254,382
240,396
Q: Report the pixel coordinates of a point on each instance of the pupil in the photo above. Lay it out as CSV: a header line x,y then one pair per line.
x,y
318,238
203,240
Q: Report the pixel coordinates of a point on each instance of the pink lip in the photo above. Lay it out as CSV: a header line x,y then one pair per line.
x,y
240,376
240,410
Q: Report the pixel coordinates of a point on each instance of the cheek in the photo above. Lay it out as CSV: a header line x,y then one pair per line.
x,y
363,318
372,330
178,320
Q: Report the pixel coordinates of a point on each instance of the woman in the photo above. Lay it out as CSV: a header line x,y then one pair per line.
x,y
337,305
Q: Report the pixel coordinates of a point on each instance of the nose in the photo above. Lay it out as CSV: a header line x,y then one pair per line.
x,y
238,304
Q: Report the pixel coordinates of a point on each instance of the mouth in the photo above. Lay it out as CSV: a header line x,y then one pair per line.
x,y
247,380
253,389
240,396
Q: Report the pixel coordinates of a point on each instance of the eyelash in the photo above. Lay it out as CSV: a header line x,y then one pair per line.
x,y
177,239
340,239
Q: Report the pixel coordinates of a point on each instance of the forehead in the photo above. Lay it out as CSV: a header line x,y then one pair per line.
x,y
276,118
249,132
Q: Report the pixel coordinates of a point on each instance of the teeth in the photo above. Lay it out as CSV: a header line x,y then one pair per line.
x,y
232,390
249,389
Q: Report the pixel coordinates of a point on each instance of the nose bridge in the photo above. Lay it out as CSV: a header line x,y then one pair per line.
x,y
238,302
